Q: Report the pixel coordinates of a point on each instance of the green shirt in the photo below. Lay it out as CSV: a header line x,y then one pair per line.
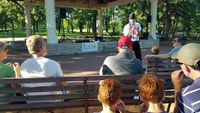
x,y
6,72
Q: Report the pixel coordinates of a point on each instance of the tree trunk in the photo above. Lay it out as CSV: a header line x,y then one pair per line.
x,y
94,26
81,26
113,29
59,25
166,21
37,28
107,19
71,23
33,25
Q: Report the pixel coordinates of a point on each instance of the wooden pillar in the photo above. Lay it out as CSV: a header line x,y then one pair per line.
x,y
27,12
154,4
50,21
100,22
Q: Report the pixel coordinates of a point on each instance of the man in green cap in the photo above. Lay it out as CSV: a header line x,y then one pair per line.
x,y
187,100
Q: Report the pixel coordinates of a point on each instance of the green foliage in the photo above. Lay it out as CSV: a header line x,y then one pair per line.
x,y
173,16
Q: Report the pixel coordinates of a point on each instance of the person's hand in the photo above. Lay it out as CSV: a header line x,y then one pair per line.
x,y
120,106
135,32
16,68
143,107
132,52
147,57
177,79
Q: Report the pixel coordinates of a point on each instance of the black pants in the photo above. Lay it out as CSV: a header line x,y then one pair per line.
x,y
137,50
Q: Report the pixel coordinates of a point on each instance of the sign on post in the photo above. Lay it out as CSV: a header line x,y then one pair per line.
x,y
89,47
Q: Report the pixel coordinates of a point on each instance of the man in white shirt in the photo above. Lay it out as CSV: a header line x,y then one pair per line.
x,y
40,66
133,31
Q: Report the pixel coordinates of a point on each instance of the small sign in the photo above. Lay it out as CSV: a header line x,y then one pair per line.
x,y
89,47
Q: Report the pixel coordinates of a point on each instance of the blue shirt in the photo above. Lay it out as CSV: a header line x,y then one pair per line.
x,y
174,50
189,98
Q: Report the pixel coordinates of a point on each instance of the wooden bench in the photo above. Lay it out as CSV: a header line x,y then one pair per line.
x,y
161,67
83,92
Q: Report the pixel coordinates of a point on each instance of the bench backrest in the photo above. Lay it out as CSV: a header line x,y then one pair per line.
x,y
161,67
81,91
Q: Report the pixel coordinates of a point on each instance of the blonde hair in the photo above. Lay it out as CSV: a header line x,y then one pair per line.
x,y
109,91
155,50
34,43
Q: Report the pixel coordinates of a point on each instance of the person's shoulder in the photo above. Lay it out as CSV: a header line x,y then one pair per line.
x,y
136,60
137,23
5,66
51,61
195,85
126,25
6,70
27,61
111,57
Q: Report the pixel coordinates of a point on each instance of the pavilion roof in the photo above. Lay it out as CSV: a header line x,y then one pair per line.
x,y
89,4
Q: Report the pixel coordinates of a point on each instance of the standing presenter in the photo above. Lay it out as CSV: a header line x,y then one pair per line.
x,y
133,31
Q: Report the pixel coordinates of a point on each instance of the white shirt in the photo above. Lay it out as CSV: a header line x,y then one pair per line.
x,y
127,31
40,67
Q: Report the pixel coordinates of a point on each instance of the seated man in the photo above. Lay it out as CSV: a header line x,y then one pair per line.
x,y
7,71
109,95
39,66
151,91
187,99
178,42
124,62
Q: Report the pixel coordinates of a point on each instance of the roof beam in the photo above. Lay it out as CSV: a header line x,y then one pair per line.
x,y
60,3
119,2
90,5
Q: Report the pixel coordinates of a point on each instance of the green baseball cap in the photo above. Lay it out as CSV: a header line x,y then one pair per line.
x,y
188,54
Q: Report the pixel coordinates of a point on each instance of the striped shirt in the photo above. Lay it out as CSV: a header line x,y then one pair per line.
x,y
189,98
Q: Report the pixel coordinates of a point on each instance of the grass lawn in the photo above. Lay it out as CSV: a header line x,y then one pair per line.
x,y
70,35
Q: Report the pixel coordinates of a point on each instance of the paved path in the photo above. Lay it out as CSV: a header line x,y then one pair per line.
x,y
84,64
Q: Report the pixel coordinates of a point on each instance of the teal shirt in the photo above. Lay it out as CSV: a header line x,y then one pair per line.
x,y
6,72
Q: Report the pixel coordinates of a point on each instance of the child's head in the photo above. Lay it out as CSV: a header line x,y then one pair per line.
x,y
151,89
155,50
109,92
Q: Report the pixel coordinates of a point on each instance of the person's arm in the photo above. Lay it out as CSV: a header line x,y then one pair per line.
x,y
104,68
101,70
15,72
121,107
140,68
143,107
126,30
60,74
16,68
161,56
177,80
